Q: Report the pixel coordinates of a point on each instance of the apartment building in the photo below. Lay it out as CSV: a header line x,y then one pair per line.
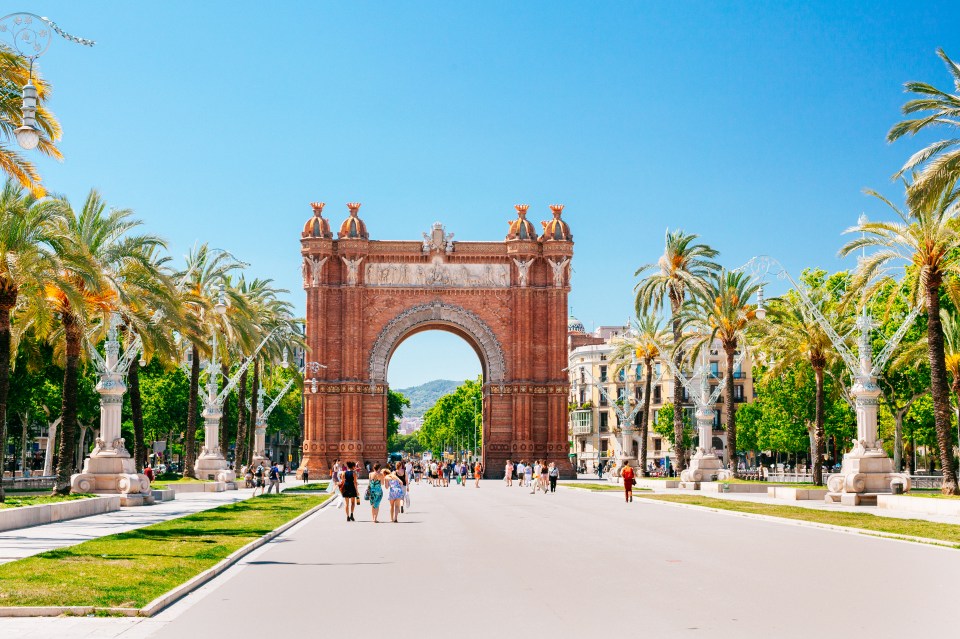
x,y
601,400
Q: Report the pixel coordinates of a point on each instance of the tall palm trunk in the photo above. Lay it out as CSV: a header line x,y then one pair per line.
x,y
7,302
818,439
68,410
136,414
240,450
645,419
678,446
254,394
939,390
729,409
190,443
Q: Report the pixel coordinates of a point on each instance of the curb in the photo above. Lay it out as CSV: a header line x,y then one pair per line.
x,y
171,596
849,530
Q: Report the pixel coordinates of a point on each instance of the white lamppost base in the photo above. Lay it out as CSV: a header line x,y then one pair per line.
x,y
211,465
865,473
705,466
109,470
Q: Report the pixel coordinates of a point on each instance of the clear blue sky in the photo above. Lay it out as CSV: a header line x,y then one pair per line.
x,y
756,125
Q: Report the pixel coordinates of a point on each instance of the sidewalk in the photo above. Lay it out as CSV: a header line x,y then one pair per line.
x,y
23,542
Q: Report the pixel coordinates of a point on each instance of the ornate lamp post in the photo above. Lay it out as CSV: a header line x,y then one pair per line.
x,y
110,468
866,470
30,35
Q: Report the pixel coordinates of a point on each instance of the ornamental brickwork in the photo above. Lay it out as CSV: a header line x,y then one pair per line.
x,y
507,299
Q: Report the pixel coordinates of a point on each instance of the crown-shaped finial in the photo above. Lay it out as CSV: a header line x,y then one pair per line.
x,y
318,208
557,209
354,207
521,209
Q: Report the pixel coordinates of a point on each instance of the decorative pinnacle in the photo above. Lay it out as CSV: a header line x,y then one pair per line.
x,y
557,210
521,209
354,207
318,208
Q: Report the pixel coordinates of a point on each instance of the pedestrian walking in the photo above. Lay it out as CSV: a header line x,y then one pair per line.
x,y
348,488
554,475
395,493
627,475
534,477
282,469
258,482
401,472
477,474
508,473
521,472
305,473
274,476
375,492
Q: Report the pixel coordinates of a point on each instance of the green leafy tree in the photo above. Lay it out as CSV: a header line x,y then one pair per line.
x,y
454,418
663,425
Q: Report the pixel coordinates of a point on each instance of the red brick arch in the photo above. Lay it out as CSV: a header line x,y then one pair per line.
x,y
507,299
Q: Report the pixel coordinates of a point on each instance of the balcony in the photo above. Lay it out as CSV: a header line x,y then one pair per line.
x,y
582,421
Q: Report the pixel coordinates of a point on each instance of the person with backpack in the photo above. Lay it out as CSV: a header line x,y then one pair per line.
x,y
274,477
258,480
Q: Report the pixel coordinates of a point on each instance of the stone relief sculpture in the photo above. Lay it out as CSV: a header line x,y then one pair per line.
x,y
437,274
523,267
438,239
353,267
312,266
558,267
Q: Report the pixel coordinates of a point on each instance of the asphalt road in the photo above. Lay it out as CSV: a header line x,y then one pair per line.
x,y
495,562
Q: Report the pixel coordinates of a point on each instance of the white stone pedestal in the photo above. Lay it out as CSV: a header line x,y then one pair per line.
x,y
705,465
866,471
109,469
211,464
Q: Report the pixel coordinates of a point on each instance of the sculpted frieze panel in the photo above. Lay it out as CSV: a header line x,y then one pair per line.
x,y
437,275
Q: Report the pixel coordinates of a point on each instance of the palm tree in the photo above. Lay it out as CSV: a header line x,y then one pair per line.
x,y
96,253
791,336
939,162
928,243
14,72
206,269
721,310
27,250
682,269
642,344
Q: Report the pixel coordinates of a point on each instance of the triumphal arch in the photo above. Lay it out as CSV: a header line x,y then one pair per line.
x,y
507,299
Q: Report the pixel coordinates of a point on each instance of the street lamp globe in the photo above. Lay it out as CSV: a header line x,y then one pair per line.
x,y
761,313
27,137
220,307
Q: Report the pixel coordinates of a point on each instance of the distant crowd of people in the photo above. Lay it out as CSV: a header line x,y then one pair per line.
x,y
537,475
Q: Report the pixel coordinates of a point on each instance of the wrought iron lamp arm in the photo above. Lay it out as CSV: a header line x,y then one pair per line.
x,y
884,356
243,367
276,400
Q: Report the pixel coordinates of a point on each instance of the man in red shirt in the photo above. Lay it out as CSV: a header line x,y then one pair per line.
x,y
627,475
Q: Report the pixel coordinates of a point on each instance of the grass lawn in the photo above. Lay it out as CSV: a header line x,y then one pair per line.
x,y
933,494
312,486
599,487
160,484
131,569
887,525
15,501
800,484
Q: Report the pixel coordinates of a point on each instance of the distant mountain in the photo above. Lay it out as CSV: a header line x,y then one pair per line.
x,y
423,397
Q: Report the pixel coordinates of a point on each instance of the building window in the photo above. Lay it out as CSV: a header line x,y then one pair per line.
x,y
657,446
603,358
621,393
657,368
603,399
583,376
638,392
622,375
657,398
738,372
604,425
639,372
716,420
583,397
715,369
603,373
738,393
686,394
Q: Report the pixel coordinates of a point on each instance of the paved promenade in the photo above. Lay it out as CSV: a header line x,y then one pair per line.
x,y
23,542
496,562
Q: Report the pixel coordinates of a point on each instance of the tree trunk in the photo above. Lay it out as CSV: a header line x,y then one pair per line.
x,y
6,303
678,447
939,389
254,394
729,409
190,443
51,446
645,422
240,448
136,413
68,410
24,435
818,429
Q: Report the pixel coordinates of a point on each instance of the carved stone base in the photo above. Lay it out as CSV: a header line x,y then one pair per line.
x,y
213,467
257,459
866,473
705,466
111,471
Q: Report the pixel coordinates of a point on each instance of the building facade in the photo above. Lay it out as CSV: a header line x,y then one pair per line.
x,y
601,400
